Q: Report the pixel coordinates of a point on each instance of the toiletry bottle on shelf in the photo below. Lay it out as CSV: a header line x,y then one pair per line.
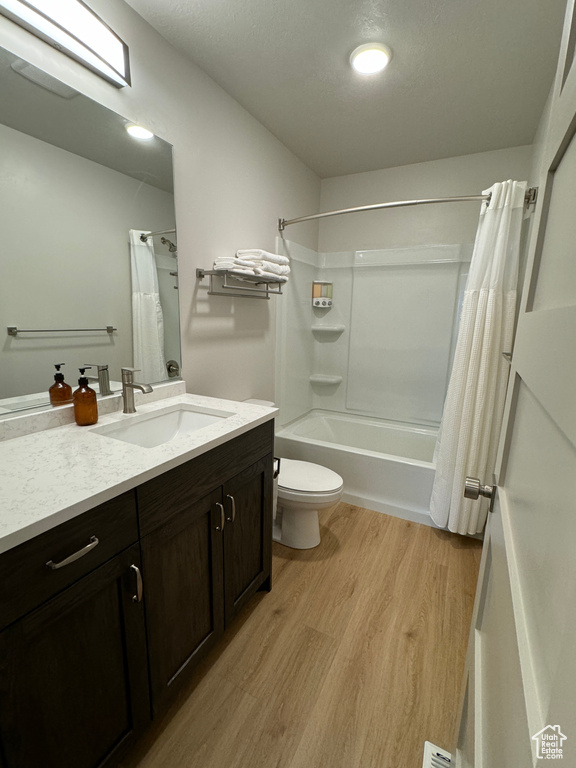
x,y
60,392
84,398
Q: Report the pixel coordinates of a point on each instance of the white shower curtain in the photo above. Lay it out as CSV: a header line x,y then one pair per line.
x,y
147,317
475,400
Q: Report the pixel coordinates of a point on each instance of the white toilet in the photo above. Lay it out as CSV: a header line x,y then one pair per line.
x,y
300,490
303,489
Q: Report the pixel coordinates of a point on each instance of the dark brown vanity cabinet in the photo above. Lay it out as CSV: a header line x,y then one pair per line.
x,y
206,549
247,502
73,671
182,564
113,609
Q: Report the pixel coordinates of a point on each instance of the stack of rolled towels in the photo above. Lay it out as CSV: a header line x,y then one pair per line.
x,y
253,262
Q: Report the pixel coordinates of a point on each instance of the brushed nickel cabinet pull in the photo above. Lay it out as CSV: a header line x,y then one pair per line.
x,y
137,598
233,503
222,517
76,556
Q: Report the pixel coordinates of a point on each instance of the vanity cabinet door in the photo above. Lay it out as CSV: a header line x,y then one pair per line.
x,y
247,535
182,566
73,674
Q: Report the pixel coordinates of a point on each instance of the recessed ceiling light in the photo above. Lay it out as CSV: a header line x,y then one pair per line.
x,y
370,58
137,132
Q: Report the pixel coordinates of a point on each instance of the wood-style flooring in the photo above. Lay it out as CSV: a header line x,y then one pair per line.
x,y
352,661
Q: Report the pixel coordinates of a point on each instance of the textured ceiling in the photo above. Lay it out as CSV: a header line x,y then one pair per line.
x,y
466,75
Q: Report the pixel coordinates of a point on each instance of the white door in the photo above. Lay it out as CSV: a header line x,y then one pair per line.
x,y
520,703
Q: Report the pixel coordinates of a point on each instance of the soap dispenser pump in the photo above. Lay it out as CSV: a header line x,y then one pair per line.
x,y
60,393
84,398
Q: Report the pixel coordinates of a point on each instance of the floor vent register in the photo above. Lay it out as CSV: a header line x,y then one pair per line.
x,y
436,757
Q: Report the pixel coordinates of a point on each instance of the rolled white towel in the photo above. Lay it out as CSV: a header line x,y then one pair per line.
x,y
241,271
257,253
277,269
222,266
237,262
270,277
253,263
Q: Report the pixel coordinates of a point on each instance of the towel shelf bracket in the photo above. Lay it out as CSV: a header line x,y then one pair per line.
x,y
259,289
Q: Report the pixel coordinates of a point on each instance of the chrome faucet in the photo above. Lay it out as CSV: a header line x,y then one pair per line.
x,y
128,387
103,378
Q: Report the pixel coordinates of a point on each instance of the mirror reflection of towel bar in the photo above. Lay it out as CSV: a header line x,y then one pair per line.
x,y
14,330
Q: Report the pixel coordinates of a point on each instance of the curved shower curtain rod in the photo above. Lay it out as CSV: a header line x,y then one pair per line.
x,y
530,199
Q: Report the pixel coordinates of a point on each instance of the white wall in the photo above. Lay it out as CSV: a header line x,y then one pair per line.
x,y
399,308
233,180
79,278
418,225
394,321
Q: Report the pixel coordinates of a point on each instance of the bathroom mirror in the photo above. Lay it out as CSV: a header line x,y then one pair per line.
x,y
73,184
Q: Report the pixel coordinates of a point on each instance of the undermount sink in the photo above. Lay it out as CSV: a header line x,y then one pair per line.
x,y
151,429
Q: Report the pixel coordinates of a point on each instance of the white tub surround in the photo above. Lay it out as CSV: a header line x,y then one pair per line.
x,y
49,477
386,466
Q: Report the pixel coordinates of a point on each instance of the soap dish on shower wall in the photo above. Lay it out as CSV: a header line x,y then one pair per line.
x,y
326,330
325,379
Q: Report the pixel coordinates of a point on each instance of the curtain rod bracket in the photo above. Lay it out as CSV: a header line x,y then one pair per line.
x,y
144,237
531,196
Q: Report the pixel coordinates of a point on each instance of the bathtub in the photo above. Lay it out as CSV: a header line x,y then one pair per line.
x,y
386,466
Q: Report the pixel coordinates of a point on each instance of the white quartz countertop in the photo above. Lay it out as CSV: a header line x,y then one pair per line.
x,y
49,477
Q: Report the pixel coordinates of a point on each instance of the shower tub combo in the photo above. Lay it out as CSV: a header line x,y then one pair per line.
x,y
386,466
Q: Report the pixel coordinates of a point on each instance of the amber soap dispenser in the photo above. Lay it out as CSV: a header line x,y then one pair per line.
x,y
60,393
84,398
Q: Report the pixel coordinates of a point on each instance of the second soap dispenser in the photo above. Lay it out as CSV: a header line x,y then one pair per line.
x,y
84,399
60,393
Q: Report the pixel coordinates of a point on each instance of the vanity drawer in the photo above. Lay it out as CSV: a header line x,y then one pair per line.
x,y
26,579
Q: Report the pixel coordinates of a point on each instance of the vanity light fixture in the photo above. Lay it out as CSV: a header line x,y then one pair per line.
x,y
138,132
72,28
370,58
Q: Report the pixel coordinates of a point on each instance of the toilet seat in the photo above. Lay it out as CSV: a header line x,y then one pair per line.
x,y
302,478
308,498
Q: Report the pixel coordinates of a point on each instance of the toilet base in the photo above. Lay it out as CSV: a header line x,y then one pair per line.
x,y
296,528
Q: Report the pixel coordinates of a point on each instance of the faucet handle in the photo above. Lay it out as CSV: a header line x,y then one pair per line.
x,y
103,367
128,375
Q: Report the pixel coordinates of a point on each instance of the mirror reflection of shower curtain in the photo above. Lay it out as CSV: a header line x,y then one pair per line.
x,y
147,317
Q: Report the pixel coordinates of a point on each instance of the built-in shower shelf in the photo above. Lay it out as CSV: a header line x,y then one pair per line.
x,y
325,380
327,330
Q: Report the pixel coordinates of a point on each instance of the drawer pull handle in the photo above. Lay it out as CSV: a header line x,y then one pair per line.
x,y
222,517
137,598
76,556
233,503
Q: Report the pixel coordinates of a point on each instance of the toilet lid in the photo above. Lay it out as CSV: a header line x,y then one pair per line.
x,y
307,477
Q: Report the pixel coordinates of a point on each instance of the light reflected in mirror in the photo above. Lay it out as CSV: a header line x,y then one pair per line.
x,y
73,184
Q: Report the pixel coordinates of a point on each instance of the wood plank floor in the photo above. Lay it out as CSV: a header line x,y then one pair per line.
x,y
352,661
